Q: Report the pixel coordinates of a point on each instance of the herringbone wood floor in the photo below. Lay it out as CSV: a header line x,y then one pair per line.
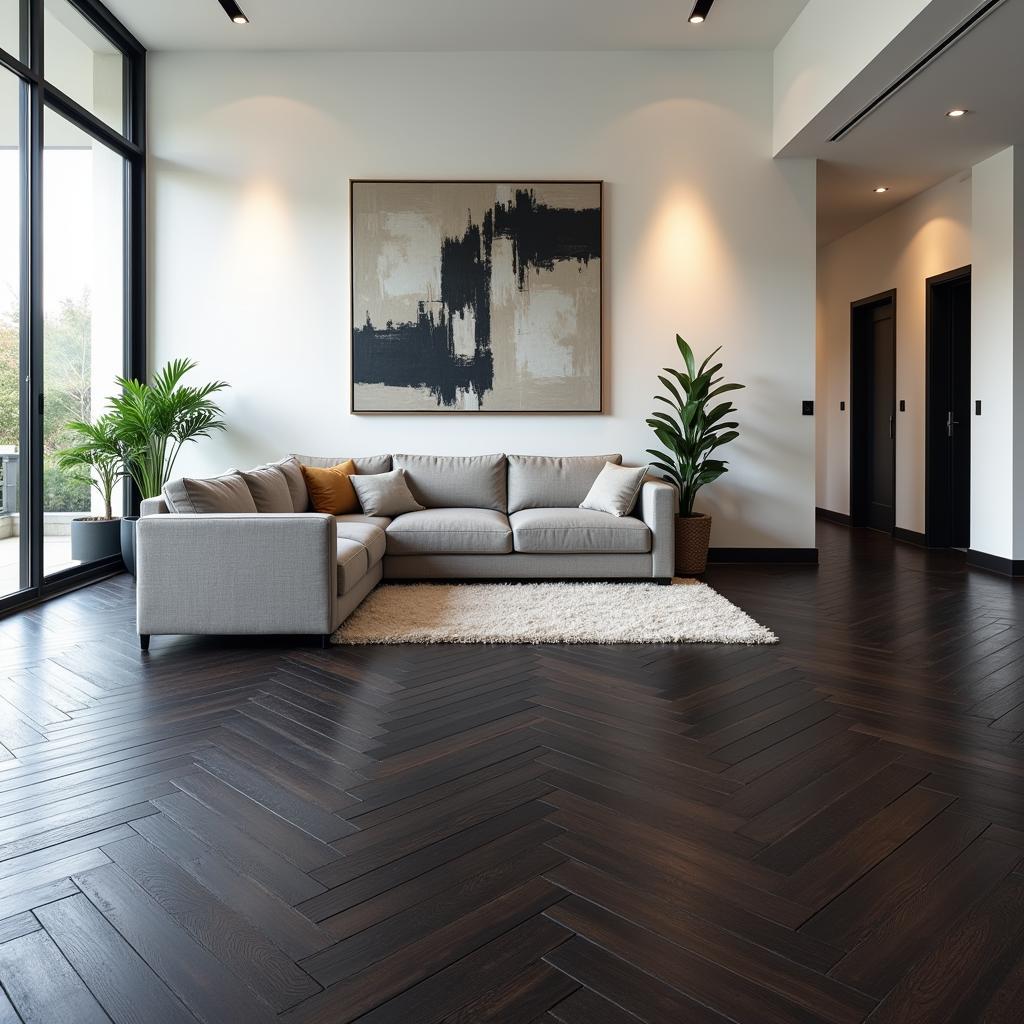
x,y
827,830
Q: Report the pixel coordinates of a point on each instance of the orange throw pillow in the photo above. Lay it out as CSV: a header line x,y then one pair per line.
x,y
330,490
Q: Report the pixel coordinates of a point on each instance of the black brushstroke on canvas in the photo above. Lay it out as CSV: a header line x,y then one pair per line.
x,y
420,352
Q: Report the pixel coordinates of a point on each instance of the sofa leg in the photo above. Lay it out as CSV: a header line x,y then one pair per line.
x,y
144,642
325,641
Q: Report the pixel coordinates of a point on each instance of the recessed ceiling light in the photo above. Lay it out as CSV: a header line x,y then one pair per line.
x,y
700,11
956,112
882,188
234,12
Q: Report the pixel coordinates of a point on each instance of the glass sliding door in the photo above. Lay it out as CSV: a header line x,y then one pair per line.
x,y
11,29
72,276
83,316
14,535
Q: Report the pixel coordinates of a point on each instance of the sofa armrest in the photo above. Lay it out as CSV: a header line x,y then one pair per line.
x,y
236,573
153,507
659,503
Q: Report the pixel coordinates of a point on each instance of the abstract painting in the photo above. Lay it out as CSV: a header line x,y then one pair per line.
x,y
476,296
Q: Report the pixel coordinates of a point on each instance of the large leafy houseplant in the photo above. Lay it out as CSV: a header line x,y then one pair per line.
x,y
691,433
96,459
153,422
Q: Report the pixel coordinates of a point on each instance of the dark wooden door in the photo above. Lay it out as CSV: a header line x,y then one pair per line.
x,y
881,420
873,412
949,411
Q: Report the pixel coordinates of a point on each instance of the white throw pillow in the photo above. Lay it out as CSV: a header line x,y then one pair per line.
x,y
616,489
385,494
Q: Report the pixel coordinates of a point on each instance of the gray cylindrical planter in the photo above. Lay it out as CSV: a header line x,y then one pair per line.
x,y
128,542
93,539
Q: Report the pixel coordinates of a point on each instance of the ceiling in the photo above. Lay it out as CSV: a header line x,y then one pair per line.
x,y
908,144
438,25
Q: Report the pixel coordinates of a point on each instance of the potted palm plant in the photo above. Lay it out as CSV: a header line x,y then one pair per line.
x,y
95,460
152,422
692,433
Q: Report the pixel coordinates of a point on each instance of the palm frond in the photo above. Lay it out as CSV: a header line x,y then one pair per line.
x,y
154,420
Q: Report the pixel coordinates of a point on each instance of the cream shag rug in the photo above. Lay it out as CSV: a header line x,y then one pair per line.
x,y
545,613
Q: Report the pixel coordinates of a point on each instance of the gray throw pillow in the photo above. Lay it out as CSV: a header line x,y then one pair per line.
x,y
616,489
226,493
385,494
269,489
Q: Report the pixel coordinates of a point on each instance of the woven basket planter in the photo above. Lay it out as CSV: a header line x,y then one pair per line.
x,y
693,535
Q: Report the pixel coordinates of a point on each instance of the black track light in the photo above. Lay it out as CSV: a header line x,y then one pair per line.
x,y
700,11
234,12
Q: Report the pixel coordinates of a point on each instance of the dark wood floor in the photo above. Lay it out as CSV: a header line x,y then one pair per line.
x,y
827,830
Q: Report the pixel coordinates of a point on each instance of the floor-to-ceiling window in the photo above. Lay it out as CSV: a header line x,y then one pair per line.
x,y
14,561
72,274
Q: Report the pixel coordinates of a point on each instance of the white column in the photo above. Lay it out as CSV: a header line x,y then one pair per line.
x,y
997,355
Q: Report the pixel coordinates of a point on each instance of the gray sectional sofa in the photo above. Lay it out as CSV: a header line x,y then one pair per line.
x,y
493,517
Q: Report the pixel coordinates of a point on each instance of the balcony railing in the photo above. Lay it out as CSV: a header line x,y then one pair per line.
x,y
8,484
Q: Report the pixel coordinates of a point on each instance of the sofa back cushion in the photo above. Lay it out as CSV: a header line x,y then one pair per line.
x,y
369,465
456,481
269,489
542,481
226,493
296,484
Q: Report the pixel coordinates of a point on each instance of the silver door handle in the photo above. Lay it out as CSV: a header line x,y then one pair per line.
x,y
950,424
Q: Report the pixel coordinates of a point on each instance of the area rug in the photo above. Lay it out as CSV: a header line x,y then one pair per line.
x,y
549,613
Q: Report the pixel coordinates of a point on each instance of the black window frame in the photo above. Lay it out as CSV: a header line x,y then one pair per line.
x,y
38,95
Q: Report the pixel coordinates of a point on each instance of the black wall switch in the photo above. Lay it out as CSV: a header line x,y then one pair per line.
x,y
903,405
977,407
808,408
842,407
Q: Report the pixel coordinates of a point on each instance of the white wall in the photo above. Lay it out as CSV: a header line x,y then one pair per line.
x,y
826,47
704,235
926,236
997,367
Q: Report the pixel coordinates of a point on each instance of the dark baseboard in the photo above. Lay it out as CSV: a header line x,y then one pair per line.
x,y
907,536
1012,567
910,537
833,517
764,556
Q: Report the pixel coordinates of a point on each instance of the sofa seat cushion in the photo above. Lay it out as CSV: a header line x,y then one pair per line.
x,y
370,536
577,530
383,522
353,564
450,531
